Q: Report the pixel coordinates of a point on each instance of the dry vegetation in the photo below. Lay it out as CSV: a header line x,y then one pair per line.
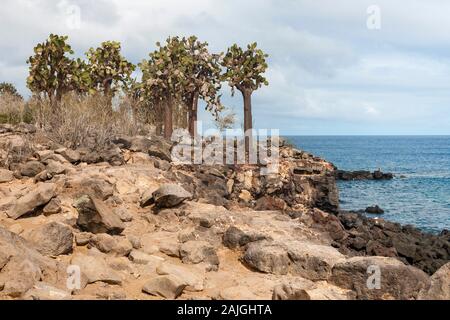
x,y
79,121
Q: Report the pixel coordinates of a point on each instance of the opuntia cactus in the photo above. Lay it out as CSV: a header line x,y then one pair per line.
x,y
52,73
244,71
109,70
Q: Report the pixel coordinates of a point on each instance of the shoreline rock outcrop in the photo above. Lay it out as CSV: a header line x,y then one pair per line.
x,y
136,226
363,175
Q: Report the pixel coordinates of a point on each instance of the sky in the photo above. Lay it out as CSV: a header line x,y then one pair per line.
x,y
347,67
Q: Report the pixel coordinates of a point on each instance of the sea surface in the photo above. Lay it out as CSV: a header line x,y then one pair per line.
x,y
420,193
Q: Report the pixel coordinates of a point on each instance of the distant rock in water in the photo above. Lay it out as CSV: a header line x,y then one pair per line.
x,y
374,210
363,175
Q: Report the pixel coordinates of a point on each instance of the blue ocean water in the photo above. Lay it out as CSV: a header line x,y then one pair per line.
x,y
421,198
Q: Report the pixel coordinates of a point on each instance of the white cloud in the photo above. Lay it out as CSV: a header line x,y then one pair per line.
x,y
326,67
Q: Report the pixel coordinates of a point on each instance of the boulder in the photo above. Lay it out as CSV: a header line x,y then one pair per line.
x,y
31,169
267,257
168,286
39,196
6,176
44,291
72,156
100,188
193,280
440,285
374,210
312,261
54,168
160,148
308,260
95,269
397,280
96,217
170,195
194,252
22,266
235,238
51,239
103,242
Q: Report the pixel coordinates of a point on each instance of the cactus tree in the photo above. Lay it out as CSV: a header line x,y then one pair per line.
x,y
162,78
52,73
202,79
109,71
244,71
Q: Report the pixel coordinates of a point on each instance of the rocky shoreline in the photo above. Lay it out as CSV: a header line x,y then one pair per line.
x,y
139,227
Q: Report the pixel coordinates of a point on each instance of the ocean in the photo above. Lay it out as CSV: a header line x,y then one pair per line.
x,y
420,193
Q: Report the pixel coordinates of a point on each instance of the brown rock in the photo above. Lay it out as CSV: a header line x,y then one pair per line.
x,y
397,281
94,216
168,286
39,196
52,239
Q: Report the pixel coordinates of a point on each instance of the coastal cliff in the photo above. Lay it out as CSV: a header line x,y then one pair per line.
x,y
136,226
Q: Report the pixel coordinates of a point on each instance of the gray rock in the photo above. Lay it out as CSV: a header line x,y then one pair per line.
x,y
235,238
22,266
40,196
94,216
267,257
194,281
72,156
95,269
374,210
52,239
160,148
312,261
397,281
168,286
98,187
170,195
54,168
31,169
194,252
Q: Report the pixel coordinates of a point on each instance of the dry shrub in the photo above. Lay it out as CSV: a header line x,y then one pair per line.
x,y
14,110
88,122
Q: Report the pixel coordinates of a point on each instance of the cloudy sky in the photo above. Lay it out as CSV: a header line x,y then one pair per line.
x,y
329,72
